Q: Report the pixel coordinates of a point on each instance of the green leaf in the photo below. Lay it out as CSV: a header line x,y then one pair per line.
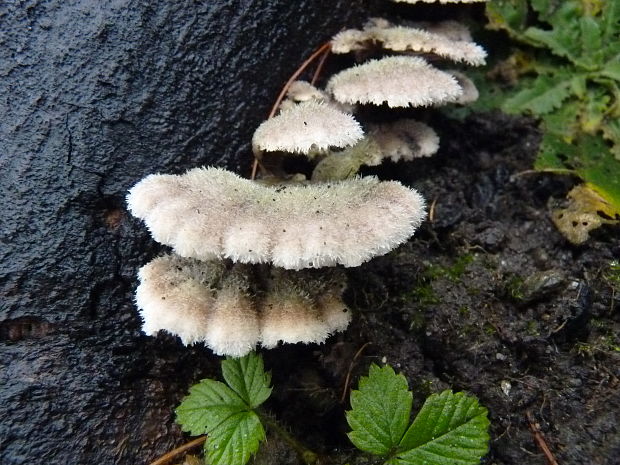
x,y
380,411
451,429
612,69
208,404
247,377
611,132
509,15
544,95
611,23
235,439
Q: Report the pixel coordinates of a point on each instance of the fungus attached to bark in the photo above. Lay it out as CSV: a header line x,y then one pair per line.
x,y
405,139
409,39
306,128
398,81
231,311
212,213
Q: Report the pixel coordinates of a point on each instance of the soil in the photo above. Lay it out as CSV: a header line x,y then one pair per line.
x,y
487,297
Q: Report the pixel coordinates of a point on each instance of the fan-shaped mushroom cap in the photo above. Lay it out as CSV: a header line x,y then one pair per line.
x,y
403,39
405,139
212,213
311,125
438,1
176,295
205,302
470,91
398,81
450,29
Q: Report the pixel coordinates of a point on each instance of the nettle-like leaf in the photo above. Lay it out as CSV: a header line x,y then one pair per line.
x,y
449,429
247,377
380,411
225,412
545,94
568,76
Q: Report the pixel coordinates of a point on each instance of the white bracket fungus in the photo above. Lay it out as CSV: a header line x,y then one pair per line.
x,y
307,127
231,312
398,81
409,39
212,213
405,139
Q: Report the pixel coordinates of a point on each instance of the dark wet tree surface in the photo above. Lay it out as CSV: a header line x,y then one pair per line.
x,y
487,298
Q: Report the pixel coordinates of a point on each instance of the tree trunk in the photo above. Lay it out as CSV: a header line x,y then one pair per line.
x,y
93,97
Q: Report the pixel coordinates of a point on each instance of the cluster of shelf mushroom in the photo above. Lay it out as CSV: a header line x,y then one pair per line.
x,y
260,261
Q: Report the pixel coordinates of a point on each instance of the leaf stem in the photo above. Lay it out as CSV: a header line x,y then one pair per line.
x,y
307,456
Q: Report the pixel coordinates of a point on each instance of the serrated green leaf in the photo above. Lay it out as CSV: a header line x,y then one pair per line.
x,y
612,69
247,377
380,410
591,41
235,439
553,153
611,23
450,429
508,15
544,95
208,404
611,132
564,121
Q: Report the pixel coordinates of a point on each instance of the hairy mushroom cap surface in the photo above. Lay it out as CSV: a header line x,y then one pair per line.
x,y
212,213
405,140
203,302
307,127
398,81
404,39
470,91
401,39
176,295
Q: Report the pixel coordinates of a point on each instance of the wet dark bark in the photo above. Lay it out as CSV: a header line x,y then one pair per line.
x,y
94,96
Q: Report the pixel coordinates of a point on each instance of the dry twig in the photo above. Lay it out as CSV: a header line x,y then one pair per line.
x,y
179,450
540,439
348,378
322,49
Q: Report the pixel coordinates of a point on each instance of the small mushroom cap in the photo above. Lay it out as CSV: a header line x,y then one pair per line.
x,y
307,127
175,295
405,139
470,91
398,81
404,39
450,29
205,302
213,213
401,39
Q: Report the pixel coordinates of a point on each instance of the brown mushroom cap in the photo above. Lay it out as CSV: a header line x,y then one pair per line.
x,y
204,302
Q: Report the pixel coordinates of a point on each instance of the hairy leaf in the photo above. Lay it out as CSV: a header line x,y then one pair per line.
x,y
247,377
545,94
208,404
235,439
572,82
451,429
380,411
510,15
